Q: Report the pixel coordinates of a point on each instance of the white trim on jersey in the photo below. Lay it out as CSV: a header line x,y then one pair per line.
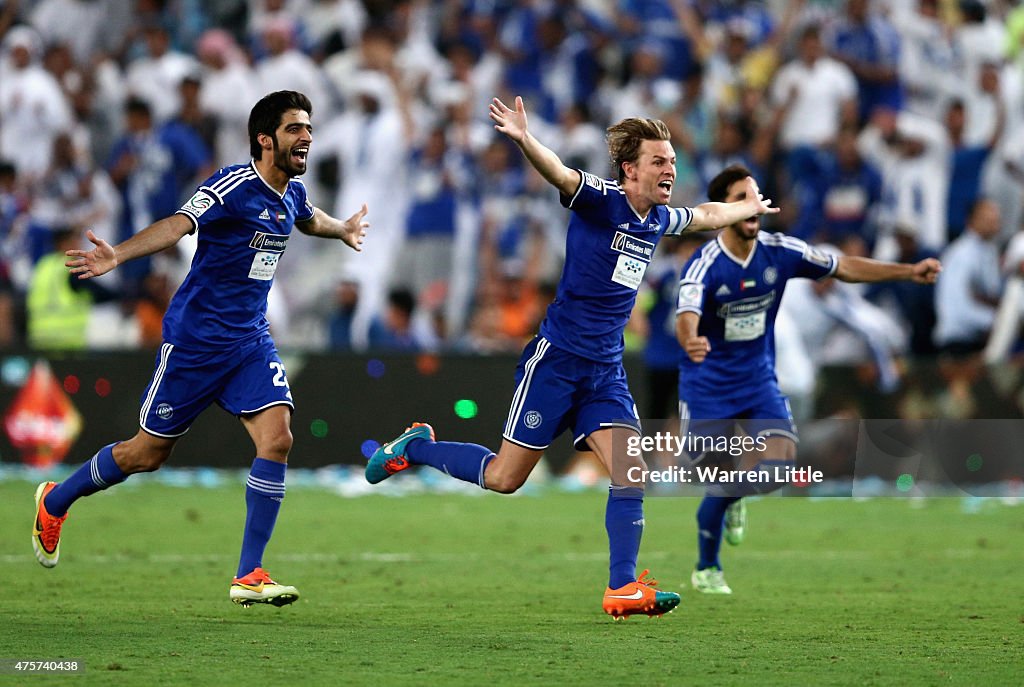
x,y
642,219
238,181
165,354
779,239
696,296
519,397
798,246
583,182
676,225
742,263
274,190
219,188
195,222
699,268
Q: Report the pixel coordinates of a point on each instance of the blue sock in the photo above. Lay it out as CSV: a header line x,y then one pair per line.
x,y
467,462
264,491
624,520
710,515
96,474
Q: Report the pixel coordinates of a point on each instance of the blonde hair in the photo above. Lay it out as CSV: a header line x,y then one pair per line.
x,y
625,138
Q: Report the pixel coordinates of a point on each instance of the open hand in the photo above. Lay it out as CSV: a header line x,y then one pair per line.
x,y
510,122
355,229
759,205
91,263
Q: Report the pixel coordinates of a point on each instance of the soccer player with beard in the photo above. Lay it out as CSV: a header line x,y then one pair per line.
x,y
570,377
217,346
729,296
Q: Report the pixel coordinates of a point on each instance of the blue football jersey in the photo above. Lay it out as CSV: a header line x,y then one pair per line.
x,y
243,226
608,249
737,302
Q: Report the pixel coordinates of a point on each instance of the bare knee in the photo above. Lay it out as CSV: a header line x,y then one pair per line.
x,y
276,446
510,468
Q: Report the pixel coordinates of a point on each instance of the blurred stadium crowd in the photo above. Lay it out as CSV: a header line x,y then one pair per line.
x,y
892,128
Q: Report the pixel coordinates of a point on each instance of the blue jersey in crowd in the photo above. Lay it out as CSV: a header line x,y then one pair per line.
x,y
608,249
738,301
243,226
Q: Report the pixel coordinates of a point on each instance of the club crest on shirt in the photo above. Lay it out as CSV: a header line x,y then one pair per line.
x,y
632,246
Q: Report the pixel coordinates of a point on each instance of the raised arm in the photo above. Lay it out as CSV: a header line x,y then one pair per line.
x,y
855,270
715,215
512,123
156,237
351,231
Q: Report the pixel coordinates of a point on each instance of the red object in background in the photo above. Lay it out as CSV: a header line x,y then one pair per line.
x,y
42,423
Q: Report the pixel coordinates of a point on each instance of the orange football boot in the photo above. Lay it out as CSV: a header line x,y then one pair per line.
x,y
639,597
46,529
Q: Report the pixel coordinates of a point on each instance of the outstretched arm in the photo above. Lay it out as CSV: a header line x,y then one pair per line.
x,y
512,123
351,231
161,234
715,215
856,269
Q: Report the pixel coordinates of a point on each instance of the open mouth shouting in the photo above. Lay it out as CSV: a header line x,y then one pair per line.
x,y
299,154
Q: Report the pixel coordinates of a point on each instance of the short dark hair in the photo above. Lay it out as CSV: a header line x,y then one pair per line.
x,y
718,188
137,105
403,300
266,115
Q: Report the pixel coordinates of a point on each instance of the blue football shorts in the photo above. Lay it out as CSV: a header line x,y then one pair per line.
x,y
243,380
764,415
557,390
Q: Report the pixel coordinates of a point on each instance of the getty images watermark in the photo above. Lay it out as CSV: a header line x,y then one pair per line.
x,y
692,447
826,457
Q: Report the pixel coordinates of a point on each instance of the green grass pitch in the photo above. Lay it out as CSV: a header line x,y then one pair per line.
x,y
456,589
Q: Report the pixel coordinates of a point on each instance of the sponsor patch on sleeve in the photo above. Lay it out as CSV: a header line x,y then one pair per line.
x,y
198,204
818,257
691,297
593,181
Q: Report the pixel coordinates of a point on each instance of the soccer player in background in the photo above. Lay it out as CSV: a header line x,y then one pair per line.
x,y
217,346
729,296
571,376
